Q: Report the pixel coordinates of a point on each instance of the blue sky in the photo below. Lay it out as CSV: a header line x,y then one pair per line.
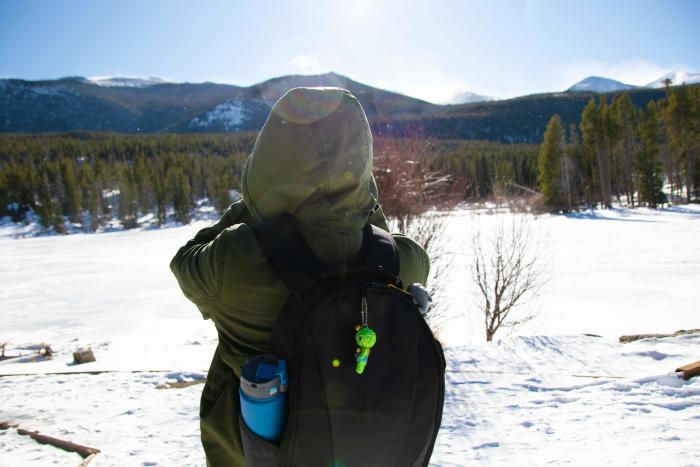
x,y
425,49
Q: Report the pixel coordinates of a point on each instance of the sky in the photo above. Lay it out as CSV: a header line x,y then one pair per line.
x,y
427,49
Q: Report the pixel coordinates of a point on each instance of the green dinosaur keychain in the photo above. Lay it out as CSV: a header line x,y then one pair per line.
x,y
365,339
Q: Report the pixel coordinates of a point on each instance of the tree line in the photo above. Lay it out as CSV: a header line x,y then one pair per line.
x,y
617,152
624,153
91,179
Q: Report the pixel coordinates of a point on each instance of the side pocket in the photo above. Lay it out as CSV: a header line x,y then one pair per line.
x,y
258,452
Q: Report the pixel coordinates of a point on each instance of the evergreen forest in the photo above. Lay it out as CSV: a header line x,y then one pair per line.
x,y
619,153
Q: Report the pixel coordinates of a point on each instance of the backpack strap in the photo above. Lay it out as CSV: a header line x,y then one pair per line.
x,y
379,251
288,253
292,258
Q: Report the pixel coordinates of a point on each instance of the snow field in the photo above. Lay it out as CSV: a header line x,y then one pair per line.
x,y
526,399
610,273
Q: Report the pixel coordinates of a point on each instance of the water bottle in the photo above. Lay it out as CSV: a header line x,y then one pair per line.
x,y
264,395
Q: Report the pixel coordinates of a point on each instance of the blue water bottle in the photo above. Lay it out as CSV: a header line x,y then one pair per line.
x,y
264,395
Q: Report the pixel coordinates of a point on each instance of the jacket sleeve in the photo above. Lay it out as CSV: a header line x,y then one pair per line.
x,y
414,261
198,266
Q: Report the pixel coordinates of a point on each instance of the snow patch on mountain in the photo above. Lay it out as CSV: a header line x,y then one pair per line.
x,y
47,90
230,115
467,97
117,82
599,84
677,78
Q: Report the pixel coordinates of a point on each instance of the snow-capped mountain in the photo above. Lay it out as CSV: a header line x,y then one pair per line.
x,y
118,82
599,84
466,97
677,78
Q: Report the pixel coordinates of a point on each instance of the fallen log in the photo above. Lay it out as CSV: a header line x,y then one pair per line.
x,y
84,451
689,371
181,384
636,337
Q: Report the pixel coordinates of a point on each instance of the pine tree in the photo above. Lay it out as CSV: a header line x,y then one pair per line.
x,y
45,207
651,180
695,143
590,123
144,186
222,197
549,163
680,119
627,118
159,194
607,133
575,166
91,193
127,200
182,198
71,201
58,193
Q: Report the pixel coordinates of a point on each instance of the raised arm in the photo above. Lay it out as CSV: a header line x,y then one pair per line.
x,y
197,265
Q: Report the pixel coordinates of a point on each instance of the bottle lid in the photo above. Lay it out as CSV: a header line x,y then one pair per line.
x,y
264,376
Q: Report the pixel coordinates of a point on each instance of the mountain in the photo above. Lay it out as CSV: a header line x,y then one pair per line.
x,y
519,120
125,105
677,78
599,84
130,105
125,82
377,103
466,97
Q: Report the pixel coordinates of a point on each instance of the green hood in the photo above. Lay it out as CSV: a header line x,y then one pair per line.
x,y
313,159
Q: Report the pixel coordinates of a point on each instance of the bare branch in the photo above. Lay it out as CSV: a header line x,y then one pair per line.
x,y
511,276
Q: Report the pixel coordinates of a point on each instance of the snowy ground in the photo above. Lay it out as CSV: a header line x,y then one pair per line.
x,y
524,400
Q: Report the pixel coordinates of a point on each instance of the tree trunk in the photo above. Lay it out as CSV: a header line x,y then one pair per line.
x,y
689,169
604,178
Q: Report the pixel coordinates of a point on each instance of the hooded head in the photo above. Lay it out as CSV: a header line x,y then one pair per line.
x,y
313,159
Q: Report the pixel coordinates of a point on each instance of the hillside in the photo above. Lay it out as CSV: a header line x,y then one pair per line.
x,y
518,120
131,106
80,104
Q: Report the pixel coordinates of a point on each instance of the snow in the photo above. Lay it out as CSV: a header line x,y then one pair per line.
x,y
50,90
531,401
31,226
598,84
611,272
117,82
544,395
228,114
677,78
467,97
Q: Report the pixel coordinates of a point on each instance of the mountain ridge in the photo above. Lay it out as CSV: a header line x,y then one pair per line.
x,y
602,84
76,103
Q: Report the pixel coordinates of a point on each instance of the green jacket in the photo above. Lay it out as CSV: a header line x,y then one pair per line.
x,y
313,158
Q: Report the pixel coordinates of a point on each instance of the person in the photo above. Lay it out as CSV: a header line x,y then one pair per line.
x,y
312,159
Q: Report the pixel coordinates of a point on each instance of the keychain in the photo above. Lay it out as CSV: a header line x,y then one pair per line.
x,y
365,338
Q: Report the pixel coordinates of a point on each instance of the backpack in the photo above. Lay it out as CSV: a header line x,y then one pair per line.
x,y
387,416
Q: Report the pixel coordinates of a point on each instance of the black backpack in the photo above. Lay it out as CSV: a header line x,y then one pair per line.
x,y
387,416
